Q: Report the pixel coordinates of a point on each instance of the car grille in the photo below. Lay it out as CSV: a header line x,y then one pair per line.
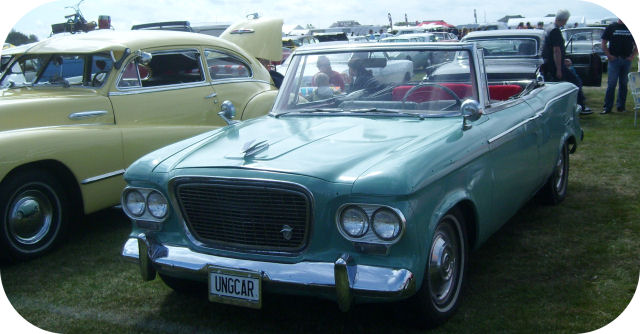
x,y
262,216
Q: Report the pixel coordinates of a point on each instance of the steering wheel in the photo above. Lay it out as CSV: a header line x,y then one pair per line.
x,y
430,84
95,82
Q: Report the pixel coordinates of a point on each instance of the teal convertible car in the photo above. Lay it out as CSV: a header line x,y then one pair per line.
x,y
370,191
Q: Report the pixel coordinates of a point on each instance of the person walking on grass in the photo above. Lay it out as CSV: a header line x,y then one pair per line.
x,y
620,48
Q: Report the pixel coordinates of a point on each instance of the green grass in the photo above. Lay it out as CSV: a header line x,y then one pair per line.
x,y
563,269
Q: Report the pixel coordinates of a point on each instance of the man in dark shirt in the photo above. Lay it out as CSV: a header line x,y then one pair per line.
x,y
556,67
620,51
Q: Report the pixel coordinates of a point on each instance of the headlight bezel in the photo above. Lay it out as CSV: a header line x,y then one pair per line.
x,y
370,237
146,215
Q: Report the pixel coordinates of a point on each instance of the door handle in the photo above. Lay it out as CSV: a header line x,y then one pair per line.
x,y
210,96
87,114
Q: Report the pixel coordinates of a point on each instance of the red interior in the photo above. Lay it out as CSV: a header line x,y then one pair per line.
x,y
434,93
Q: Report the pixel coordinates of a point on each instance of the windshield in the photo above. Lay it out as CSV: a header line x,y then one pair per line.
x,y
58,69
373,81
505,47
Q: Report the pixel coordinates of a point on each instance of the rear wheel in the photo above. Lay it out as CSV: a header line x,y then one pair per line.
x,y
555,190
439,296
34,212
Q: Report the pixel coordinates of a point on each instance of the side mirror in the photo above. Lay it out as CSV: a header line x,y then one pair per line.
x,y
539,79
227,112
470,110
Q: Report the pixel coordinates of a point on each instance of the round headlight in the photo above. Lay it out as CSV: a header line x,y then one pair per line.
x,y
354,221
157,204
134,202
386,224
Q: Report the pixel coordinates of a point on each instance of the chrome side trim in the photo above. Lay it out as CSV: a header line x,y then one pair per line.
x,y
102,177
87,114
537,115
237,80
351,279
143,90
54,127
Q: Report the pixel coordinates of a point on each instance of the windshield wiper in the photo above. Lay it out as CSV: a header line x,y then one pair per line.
x,y
386,111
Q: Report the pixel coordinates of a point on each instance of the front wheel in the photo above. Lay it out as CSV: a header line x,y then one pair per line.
x,y
439,296
34,213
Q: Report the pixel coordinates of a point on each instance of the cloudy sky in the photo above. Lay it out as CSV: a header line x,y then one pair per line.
x,y
36,16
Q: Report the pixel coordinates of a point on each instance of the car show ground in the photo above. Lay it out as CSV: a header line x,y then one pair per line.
x,y
568,268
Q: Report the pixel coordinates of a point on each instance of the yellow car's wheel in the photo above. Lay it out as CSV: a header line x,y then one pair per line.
x,y
33,207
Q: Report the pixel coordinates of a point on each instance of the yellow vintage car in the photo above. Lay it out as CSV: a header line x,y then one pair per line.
x,y
76,110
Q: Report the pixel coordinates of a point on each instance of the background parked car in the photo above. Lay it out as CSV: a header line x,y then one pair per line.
x,y
76,111
583,42
420,59
517,55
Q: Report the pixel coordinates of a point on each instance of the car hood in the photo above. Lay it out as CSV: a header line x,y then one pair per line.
x,y
332,148
262,38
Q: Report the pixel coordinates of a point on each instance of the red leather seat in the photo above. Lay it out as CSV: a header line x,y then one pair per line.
x,y
503,92
433,93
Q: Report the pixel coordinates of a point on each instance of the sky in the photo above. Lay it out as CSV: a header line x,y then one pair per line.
x,y
36,16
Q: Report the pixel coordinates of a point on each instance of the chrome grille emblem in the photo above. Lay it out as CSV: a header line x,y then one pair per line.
x,y
287,232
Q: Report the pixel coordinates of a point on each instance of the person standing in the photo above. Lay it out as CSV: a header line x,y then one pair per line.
x,y
556,66
620,48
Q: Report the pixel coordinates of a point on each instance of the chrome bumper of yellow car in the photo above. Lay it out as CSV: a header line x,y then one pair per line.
x,y
347,278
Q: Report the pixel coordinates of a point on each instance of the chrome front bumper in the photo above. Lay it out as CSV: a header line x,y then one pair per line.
x,y
345,277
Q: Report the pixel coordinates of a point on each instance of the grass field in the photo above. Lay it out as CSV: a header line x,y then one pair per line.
x,y
569,268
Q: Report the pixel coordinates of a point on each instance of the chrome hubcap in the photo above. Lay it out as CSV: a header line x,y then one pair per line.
x,y
444,264
559,184
30,217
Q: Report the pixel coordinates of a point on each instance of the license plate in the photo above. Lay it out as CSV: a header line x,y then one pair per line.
x,y
236,287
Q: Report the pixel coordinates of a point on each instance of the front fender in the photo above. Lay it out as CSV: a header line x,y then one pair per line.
x,y
88,153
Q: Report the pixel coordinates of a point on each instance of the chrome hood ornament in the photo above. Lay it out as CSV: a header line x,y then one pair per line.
x,y
252,148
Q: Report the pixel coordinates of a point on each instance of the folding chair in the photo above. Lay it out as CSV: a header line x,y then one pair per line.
x,y
634,86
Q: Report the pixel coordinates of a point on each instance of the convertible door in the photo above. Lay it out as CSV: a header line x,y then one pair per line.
x,y
514,158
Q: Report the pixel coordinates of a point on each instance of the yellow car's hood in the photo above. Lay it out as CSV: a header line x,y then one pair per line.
x,y
262,38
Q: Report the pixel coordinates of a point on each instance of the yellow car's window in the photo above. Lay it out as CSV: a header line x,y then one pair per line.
x,y
223,66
